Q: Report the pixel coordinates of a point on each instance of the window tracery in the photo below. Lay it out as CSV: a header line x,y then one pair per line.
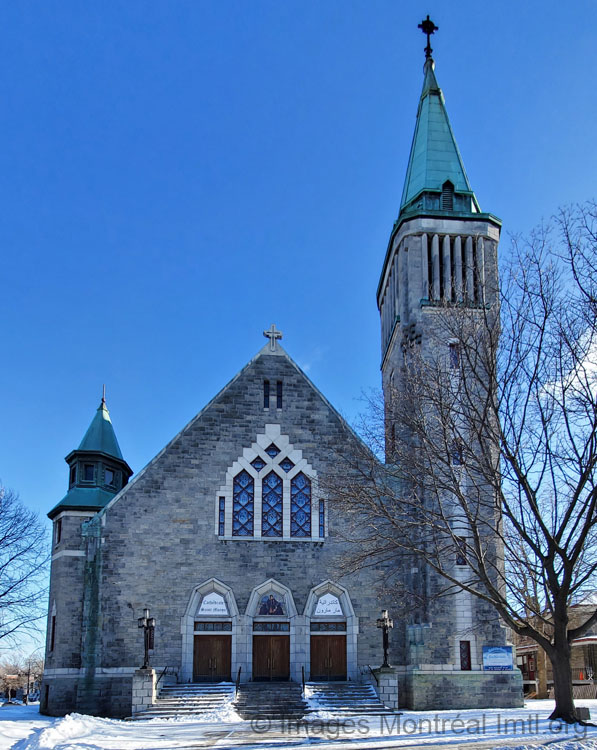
x,y
270,493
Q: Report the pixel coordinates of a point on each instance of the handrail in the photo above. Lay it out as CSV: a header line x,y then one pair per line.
x,y
237,681
303,675
373,674
164,670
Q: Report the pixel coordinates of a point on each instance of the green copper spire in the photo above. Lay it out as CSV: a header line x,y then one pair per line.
x,y
100,436
435,178
97,470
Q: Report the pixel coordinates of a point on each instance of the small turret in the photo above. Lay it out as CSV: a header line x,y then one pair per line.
x,y
97,470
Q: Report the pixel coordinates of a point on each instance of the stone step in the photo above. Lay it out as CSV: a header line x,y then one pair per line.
x,y
270,700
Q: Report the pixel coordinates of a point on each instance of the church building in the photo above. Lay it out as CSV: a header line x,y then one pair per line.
x,y
228,535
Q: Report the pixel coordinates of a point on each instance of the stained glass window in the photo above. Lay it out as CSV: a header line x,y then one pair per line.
x,y
271,521
242,507
272,451
286,464
258,463
300,506
221,515
279,394
266,394
322,518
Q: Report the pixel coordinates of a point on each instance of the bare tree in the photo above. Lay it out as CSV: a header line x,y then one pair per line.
x,y
494,447
23,568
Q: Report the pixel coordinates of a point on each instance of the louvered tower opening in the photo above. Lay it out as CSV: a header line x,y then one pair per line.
x,y
447,199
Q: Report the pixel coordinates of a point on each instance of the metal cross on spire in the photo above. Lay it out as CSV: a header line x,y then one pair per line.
x,y
272,334
428,27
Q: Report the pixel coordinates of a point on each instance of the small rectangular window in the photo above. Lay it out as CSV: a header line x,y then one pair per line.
x,y
58,531
266,394
454,355
109,477
89,472
73,474
461,551
456,456
221,516
465,656
53,633
279,394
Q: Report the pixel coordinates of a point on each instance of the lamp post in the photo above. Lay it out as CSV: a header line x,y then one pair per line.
x,y
385,624
148,624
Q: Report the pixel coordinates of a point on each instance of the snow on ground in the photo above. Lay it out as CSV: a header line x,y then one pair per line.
x,y
22,728
17,722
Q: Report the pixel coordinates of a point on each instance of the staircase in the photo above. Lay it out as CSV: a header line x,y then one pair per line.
x,y
270,700
344,699
186,700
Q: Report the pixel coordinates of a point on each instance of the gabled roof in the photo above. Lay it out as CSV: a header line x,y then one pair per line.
x,y
264,351
100,436
434,155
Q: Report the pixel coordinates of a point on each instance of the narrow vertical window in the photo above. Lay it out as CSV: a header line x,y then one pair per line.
x,y
73,474
461,551
266,394
454,348
322,518
279,394
465,656
58,531
53,633
243,493
300,506
221,515
271,520
456,457
447,197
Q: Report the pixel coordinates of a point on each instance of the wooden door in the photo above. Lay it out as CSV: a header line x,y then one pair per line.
x,y
328,657
211,658
271,657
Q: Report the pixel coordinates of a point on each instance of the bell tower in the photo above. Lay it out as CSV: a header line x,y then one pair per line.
x,y
442,249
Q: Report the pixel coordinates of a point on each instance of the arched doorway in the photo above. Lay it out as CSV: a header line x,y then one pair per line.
x,y
332,628
272,611
209,630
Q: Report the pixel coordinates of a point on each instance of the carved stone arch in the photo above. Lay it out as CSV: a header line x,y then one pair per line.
x,y
329,587
264,588
211,585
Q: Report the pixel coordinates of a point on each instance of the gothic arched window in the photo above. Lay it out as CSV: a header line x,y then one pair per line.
x,y
243,493
300,506
271,522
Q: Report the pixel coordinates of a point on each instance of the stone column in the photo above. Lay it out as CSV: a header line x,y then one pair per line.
x,y
435,265
447,269
458,267
143,690
424,268
387,686
470,279
481,267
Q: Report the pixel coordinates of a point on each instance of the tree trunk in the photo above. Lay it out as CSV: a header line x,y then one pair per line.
x,y
562,682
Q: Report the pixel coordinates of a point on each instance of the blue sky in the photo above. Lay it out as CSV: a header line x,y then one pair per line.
x,y
176,176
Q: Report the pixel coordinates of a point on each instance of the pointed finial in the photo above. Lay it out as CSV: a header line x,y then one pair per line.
x,y
104,395
428,27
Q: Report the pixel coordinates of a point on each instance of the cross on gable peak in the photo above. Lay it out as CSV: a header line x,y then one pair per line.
x,y
272,334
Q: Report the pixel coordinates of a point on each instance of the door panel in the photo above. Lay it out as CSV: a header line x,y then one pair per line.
x,y
212,658
271,657
328,657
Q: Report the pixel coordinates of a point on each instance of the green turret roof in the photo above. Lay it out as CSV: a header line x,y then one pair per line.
x,y
100,437
434,155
